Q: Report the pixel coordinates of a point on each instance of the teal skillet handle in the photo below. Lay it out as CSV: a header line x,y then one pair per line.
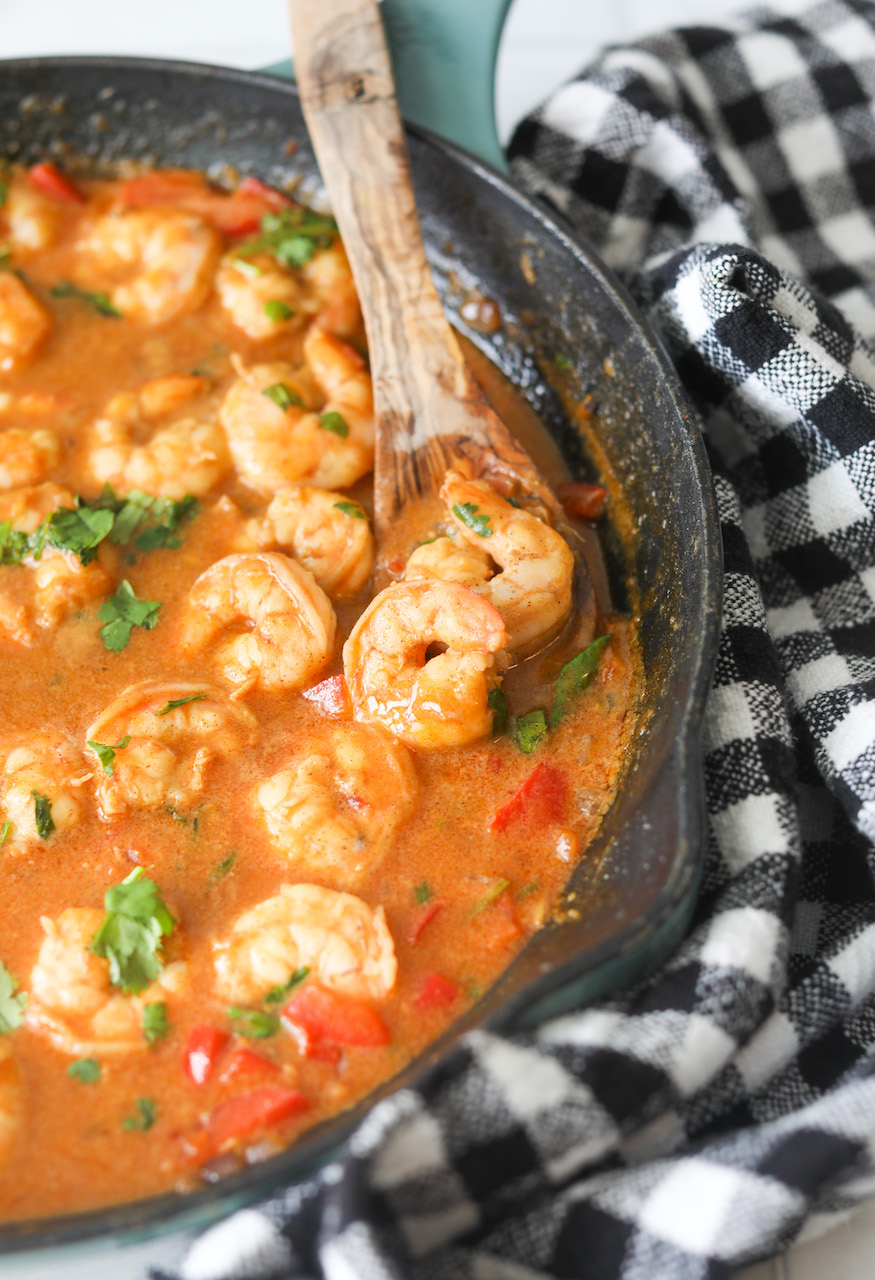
x,y
444,53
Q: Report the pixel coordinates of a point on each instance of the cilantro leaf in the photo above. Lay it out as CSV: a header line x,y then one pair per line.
x,y
292,236
4,832
87,1070
106,753
123,611
531,730
221,869
14,545
475,520
422,892
147,1114
351,509
12,1006
335,423
500,708
130,937
277,311
80,530
101,302
575,676
42,812
252,1023
283,396
277,994
179,702
492,894
156,1025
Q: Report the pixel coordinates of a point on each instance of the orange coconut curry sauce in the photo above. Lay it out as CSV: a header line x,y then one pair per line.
x,y
263,833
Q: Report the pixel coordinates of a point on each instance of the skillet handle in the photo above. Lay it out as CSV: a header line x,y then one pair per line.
x,y
444,55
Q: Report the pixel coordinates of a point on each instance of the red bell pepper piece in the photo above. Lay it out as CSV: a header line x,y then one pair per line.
x,y
250,1112
234,213
48,178
587,501
539,801
202,1050
422,918
243,1062
330,696
436,992
340,1019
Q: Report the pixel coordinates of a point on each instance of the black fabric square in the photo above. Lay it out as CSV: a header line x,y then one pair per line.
x,y
784,464
700,378
835,279
747,120
752,335
620,1083
591,1244
825,1061
839,87
601,180
753,654
513,1154
813,566
863,176
704,40
843,418
789,210
809,1159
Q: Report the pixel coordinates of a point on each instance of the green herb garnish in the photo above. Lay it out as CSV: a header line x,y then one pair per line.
x,y
562,361
292,236
42,812
422,892
335,423
106,753
147,1114
101,302
252,1023
4,832
156,1025
283,396
491,895
500,708
351,509
12,1006
179,702
86,1070
575,676
476,521
277,994
130,938
221,869
277,311
123,611
531,730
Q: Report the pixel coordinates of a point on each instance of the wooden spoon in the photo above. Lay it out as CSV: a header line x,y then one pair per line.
x,y
430,412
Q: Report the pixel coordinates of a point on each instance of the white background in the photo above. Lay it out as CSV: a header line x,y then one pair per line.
x,y
545,41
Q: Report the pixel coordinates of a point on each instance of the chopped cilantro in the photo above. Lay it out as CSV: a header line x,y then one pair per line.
x,y
513,502
527,890
562,361
478,523
147,1114
80,530
106,753
42,812
531,730
351,509
277,994
283,396
575,676
4,832
123,611
86,1070
422,892
101,302
221,869
335,423
500,708
277,311
4,191
292,236
252,1023
156,1025
131,934
12,1006
492,894
179,702
14,545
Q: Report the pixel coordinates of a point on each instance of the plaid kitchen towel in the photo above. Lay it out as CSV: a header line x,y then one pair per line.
x,y
726,1106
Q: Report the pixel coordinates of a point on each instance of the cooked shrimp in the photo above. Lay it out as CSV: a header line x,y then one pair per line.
x,y
33,219
27,454
531,586
321,291
335,809
343,942
42,789
451,560
165,258
72,999
24,322
63,585
175,731
25,509
10,1101
268,623
330,447
325,532
186,456
429,701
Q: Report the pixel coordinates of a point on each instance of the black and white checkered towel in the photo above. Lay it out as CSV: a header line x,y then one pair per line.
x,y
709,1117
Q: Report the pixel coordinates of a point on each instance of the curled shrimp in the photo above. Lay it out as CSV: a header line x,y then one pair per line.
x,y
344,943
26,508
430,700
325,532
530,582
10,1101
331,446
185,456
268,624
24,322
27,454
42,785
157,264
63,586
322,291
174,732
450,560
72,999
335,809
33,219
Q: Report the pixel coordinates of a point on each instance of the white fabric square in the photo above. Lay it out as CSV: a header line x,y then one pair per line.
x,y
770,59
416,1146
851,237
852,39
528,1081
790,621
867,577
833,500
704,1050
577,108
767,1051
818,677
688,1207
745,938
748,830
811,148
854,965
595,1027
852,735
729,717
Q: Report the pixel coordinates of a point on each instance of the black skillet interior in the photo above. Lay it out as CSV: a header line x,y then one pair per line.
x,y
635,890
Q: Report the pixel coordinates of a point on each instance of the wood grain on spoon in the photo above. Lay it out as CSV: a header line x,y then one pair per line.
x,y
430,412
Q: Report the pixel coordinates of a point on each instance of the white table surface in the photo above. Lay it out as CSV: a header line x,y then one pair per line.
x,y
545,41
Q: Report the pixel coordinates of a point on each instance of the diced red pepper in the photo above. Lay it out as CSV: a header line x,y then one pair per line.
x,y
422,918
498,926
538,802
255,187
48,178
436,992
202,1050
234,213
330,696
250,1112
340,1019
586,501
243,1062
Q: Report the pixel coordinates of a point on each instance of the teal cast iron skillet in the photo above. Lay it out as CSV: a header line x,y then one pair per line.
x,y
634,891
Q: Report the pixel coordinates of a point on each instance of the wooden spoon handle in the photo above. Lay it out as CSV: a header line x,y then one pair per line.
x,y
430,411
